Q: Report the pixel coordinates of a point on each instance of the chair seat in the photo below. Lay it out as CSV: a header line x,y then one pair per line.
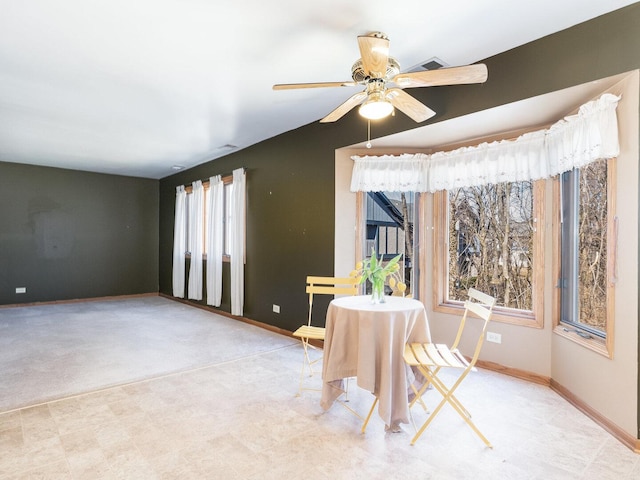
x,y
306,331
433,355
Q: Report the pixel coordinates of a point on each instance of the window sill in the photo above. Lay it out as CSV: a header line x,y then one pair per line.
x,y
500,315
594,344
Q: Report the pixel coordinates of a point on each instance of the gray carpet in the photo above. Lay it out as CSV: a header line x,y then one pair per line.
x,y
49,352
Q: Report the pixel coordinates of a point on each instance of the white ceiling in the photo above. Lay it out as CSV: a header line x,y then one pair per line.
x,y
136,87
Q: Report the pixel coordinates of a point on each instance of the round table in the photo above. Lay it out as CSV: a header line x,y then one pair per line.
x,y
366,341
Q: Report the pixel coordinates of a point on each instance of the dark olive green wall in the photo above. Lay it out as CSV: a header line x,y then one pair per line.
x,y
290,178
290,222
66,234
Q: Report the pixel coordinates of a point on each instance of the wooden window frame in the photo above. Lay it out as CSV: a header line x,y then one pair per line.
x,y
226,180
529,318
599,345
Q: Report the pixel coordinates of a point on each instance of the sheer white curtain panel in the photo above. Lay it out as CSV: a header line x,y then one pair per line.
x,y
196,241
572,142
179,242
214,247
237,241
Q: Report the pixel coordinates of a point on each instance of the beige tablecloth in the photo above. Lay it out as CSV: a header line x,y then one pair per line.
x,y
367,341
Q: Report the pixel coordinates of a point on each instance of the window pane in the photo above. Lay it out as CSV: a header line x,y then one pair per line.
x,y
389,230
491,231
584,247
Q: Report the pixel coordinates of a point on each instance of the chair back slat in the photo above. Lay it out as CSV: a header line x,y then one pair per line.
x,y
480,310
325,290
332,280
317,285
482,297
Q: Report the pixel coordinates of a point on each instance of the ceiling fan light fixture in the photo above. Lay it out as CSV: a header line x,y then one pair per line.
x,y
375,107
378,72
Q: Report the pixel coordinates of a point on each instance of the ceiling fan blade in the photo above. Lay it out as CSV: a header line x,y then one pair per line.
x,y
443,76
374,51
289,86
344,107
409,105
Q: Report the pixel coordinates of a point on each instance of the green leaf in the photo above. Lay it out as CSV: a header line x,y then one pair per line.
x,y
392,262
374,260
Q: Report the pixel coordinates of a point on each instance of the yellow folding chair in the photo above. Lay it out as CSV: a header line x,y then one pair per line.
x,y
430,359
310,333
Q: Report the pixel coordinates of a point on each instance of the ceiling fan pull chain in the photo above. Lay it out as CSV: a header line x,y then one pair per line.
x,y
368,133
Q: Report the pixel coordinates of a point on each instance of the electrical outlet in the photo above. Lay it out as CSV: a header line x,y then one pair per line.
x,y
276,308
21,289
494,337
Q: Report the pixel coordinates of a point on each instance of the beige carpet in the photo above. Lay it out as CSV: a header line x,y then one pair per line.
x,y
54,351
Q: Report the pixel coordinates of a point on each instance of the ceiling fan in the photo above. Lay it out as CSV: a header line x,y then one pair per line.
x,y
380,74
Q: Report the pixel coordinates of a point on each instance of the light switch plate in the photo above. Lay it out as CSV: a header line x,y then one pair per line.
x,y
494,337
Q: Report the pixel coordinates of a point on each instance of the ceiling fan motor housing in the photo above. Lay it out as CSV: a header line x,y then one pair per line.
x,y
359,75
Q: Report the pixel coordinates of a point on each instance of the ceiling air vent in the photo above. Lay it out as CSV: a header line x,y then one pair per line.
x,y
431,64
227,147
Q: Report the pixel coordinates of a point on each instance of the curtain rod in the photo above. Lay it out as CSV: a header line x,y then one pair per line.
x,y
226,178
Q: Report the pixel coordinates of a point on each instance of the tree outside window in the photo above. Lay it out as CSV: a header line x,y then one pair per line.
x,y
491,242
489,237
584,249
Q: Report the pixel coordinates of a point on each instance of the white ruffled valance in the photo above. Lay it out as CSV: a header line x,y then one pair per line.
x,y
572,142
404,173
